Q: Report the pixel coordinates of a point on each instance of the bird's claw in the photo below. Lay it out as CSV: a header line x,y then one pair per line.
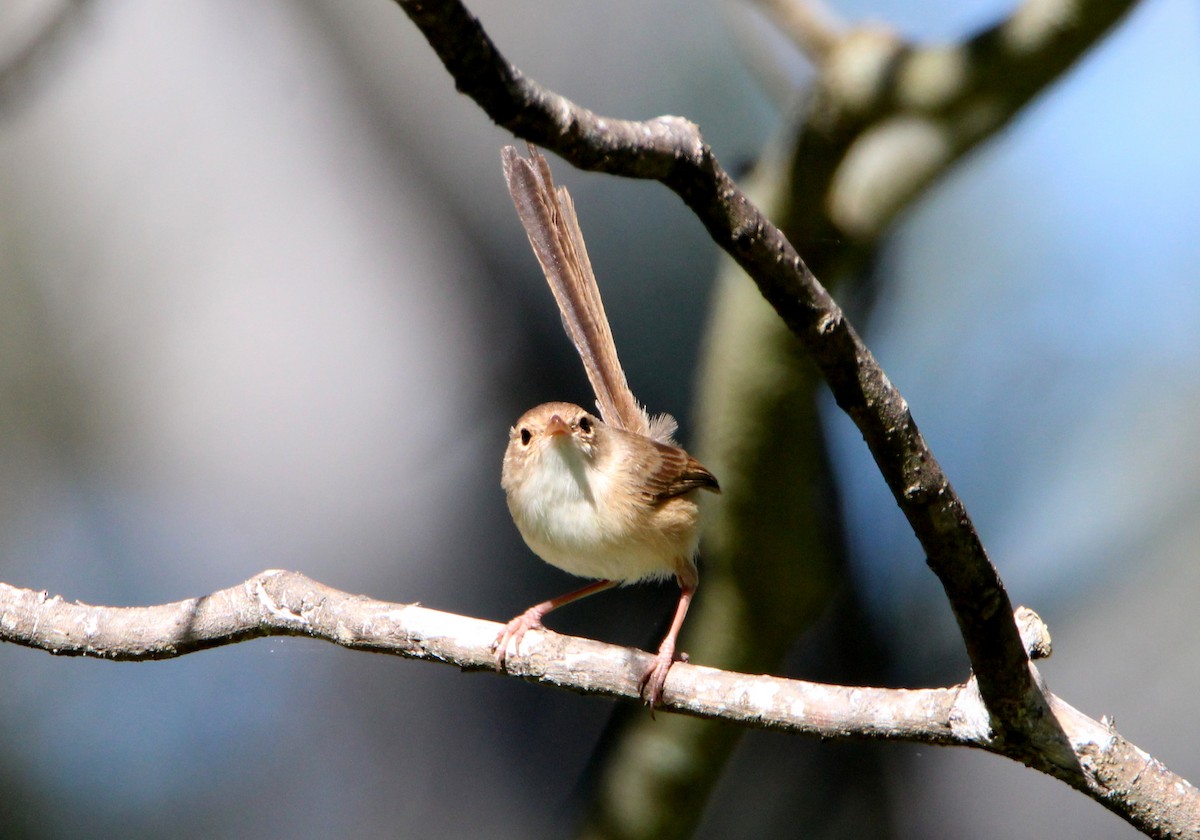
x,y
655,679
512,634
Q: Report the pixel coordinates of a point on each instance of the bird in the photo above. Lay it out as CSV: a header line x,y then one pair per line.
x,y
608,496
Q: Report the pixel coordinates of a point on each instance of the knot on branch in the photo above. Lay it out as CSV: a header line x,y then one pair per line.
x,y
260,588
1034,633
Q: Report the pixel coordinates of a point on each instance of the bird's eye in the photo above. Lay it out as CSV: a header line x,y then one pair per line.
x,y
526,436
585,424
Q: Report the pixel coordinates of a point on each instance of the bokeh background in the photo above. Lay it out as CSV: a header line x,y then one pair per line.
x,y
264,303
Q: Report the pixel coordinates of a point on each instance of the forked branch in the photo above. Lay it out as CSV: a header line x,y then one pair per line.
x,y
671,150
1025,721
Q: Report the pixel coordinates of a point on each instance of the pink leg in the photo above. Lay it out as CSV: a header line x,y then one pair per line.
x,y
655,678
531,619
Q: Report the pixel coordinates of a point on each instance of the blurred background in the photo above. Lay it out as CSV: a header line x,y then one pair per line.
x,y
266,304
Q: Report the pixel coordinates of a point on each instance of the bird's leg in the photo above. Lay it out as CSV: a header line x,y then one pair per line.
x,y
531,619
656,677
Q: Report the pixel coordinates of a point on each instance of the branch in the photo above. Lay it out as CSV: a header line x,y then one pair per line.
x,y
1089,754
671,150
833,188
282,603
888,117
810,24
1027,722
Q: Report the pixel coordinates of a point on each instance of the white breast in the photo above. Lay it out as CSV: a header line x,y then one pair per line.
x,y
563,511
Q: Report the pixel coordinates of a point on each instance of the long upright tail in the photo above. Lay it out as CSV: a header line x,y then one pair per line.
x,y
548,215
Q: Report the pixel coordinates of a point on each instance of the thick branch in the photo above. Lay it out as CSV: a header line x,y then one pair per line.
x,y
1087,754
672,151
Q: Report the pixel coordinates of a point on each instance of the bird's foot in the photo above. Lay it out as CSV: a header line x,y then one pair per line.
x,y
512,633
655,678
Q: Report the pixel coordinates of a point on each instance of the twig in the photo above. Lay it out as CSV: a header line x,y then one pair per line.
x,y
810,24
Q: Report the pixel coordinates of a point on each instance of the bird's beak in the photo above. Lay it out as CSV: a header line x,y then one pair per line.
x,y
557,426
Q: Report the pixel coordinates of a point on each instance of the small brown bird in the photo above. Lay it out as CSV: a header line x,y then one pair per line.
x,y
610,498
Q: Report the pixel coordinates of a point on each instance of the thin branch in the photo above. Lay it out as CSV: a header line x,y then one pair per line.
x,y
671,150
282,603
810,24
1088,754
